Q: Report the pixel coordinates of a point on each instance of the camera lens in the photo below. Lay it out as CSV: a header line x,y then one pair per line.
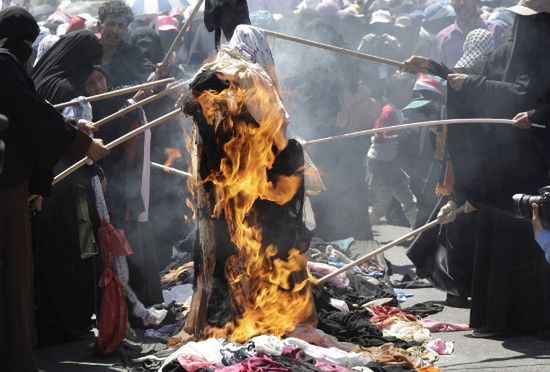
x,y
522,204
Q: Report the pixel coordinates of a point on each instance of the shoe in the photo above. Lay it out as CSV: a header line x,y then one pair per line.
x,y
487,332
457,301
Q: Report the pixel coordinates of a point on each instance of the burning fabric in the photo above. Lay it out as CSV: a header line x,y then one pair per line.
x,y
250,267
254,305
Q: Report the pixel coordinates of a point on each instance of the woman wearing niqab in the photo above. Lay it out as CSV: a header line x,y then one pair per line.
x,y
510,276
66,230
66,65
37,137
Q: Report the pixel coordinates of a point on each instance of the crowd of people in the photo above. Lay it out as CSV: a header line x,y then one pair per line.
x,y
462,59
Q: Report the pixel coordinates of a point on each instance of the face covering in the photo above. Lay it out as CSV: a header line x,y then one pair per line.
x,y
21,50
17,25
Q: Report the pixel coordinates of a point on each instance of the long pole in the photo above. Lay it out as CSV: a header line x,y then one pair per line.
x,y
171,170
136,105
376,252
182,32
408,126
116,93
73,168
333,48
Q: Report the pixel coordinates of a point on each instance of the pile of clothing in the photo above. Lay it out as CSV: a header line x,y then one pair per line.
x,y
360,327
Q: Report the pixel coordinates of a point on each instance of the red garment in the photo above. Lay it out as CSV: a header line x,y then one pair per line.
x,y
114,240
388,117
381,313
76,23
113,312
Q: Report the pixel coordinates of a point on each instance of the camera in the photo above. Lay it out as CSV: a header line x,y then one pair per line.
x,y
523,202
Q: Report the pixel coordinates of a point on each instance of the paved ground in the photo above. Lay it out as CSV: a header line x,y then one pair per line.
x,y
520,353
517,353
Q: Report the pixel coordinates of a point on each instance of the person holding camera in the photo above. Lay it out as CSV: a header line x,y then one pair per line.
x,y
542,235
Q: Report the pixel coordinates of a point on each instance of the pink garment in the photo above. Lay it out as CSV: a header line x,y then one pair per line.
x,y
321,269
436,326
330,367
440,347
191,362
255,364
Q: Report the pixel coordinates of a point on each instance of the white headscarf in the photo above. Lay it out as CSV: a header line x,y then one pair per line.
x,y
479,43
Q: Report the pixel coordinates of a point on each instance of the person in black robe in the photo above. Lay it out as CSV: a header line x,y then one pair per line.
x,y
60,74
511,284
37,137
148,42
166,209
62,230
125,64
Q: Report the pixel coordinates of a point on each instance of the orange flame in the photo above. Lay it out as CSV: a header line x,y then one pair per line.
x,y
273,295
171,155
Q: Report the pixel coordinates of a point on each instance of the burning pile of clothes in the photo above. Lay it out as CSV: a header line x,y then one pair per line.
x,y
244,295
360,327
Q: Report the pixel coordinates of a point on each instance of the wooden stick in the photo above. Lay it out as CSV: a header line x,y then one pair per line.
x,y
350,52
376,252
115,93
73,168
136,105
407,126
171,170
182,32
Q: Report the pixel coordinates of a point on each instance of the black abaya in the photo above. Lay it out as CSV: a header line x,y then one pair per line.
x,y
508,284
60,74
35,140
65,281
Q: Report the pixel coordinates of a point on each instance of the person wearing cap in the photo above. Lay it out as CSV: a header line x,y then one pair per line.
x,y
168,30
380,42
448,45
429,95
435,17
385,177
432,183
493,163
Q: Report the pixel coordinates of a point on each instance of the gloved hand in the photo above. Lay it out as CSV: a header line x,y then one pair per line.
x,y
447,213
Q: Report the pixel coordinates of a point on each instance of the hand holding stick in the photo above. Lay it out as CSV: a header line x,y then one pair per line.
x,y
421,124
115,93
73,168
405,237
137,105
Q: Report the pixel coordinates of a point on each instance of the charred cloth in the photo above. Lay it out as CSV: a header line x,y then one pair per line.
x,y
250,266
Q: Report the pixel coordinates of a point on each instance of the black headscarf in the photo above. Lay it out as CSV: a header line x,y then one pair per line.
x,y
60,74
147,40
16,27
225,15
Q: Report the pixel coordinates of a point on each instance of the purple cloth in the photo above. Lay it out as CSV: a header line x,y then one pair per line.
x,y
255,364
449,43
